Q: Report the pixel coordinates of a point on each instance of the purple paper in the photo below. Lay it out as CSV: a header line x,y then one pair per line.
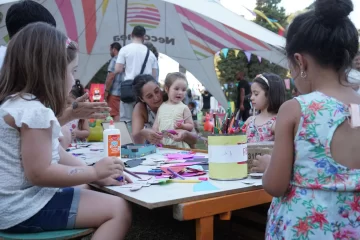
x,y
177,156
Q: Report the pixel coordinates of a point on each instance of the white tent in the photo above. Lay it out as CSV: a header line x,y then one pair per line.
x,y
190,33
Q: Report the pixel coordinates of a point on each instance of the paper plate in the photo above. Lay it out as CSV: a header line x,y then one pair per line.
x,y
256,175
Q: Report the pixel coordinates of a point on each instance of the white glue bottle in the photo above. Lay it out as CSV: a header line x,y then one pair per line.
x,y
112,141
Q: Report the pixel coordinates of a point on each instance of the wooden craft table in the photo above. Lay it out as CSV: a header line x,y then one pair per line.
x,y
201,206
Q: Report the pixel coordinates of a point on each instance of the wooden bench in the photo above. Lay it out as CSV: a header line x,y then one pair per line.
x,y
53,235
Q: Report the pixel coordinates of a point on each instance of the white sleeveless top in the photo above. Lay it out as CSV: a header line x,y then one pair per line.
x,y
19,199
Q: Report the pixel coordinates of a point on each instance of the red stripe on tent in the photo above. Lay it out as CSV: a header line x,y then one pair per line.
x,y
89,7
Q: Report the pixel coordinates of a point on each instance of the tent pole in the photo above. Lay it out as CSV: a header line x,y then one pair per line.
x,y
125,22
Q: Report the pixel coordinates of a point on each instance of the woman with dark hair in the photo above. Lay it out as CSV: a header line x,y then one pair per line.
x,y
314,171
149,97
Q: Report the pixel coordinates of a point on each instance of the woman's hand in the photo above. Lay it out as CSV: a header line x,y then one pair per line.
x,y
261,163
152,136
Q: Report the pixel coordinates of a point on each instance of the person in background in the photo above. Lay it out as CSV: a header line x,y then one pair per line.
x,y
194,112
243,103
23,13
354,74
206,102
80,127
75,131
153,49
356,62
133,57
188,97
113,84
314,171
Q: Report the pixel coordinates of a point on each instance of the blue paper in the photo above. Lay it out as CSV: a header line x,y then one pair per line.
x,y
204,186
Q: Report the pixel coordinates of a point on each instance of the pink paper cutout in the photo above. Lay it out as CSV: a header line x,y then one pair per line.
x,y
177,156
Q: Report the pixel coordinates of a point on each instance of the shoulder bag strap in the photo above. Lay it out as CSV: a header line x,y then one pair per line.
x,y
145,61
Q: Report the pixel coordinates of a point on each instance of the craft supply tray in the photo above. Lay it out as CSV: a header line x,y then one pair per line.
x,y
137,150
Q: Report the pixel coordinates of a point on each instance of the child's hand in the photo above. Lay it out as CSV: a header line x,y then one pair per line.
x,y
108,166
179,124
261,163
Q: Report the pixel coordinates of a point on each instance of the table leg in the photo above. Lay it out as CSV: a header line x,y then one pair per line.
x,y
205,228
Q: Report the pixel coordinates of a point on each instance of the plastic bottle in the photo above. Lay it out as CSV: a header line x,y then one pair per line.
x,y
73,143
112,141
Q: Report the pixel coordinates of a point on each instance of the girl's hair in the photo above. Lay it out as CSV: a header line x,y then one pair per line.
x,y
325,33
36,63
78,89
274,88
152,48
172,77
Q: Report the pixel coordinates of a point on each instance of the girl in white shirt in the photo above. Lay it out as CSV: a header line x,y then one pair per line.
x,y
36,175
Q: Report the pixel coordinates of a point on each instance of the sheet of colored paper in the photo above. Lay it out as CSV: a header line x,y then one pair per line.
x,y
177,156
204,186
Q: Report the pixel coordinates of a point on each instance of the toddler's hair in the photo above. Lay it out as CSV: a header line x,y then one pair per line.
x,y
36,63
274,88
172,77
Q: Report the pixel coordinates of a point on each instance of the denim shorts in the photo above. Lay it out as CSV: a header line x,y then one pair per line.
x,y
58,214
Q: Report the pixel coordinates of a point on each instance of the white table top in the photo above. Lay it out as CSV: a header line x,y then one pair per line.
x,y
170,194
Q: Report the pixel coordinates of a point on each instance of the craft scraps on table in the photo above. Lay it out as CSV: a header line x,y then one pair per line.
x,y
204,186
177,156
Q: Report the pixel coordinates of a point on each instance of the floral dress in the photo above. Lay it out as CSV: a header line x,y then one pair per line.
x,y
323,199
260,133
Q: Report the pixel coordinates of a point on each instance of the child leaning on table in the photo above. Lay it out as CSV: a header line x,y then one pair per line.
x,y
174,114
267,95
77,130
36,174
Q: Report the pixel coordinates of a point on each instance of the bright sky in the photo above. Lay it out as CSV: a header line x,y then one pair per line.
x,y
290,6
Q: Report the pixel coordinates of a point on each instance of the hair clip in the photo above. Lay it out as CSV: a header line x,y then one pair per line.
x,y
354,111
263,78
68,42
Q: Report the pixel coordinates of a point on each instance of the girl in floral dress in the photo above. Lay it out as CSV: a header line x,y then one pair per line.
x,y
314,171
267,95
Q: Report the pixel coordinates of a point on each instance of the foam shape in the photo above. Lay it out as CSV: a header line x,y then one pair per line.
x,y
204,186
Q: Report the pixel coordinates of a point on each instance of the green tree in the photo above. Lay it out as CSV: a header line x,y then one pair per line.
x,y
272,10
234,63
